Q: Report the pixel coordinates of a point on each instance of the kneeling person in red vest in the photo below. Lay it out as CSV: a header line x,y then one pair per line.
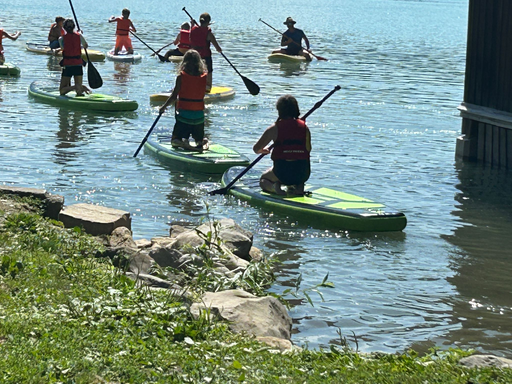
x,y
189,94
72,62
292,145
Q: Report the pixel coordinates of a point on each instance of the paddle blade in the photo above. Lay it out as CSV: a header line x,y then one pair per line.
x,y
221,191
252,87
93,77
321,58
161,58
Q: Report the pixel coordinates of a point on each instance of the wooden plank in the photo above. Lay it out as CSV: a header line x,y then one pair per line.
x,y
495,145
488,144
503,68
507,54
503,147
481,142
470,49
479,71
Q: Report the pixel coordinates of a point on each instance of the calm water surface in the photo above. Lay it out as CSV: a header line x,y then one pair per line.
x,y
388,135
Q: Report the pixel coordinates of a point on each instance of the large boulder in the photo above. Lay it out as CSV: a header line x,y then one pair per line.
x,y
95,219
122,237
258,316
51,204
483,361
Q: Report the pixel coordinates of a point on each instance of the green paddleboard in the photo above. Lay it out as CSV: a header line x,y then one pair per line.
x,y
215,160
49,93
8,69
324,207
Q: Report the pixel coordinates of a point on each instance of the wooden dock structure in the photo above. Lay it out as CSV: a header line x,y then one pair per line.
x,y
487,107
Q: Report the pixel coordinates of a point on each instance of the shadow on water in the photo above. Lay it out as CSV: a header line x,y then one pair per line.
x,y
481,260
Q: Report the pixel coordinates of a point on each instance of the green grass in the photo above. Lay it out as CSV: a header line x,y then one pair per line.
x,y
69,317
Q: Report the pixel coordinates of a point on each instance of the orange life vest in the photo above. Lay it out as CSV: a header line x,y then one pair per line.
x,y
123,27
291,140
199,40
184,39
72,53
192,90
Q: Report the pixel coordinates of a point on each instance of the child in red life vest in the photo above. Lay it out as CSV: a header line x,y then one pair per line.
x,y
200,38
72,62
182,41
124,26
3,34
292,145
189,94
56,31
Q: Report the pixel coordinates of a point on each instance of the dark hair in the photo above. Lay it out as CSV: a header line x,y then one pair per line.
x,y
287,107
192,63
204,18
59,18
126,12
69,25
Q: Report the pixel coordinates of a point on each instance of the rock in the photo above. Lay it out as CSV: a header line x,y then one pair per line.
x,y
163,241
143,243
256,254
175,230
153,281
51,204
165,256
276,343
258,316
96,220
482,361
140,263
190,238
122,237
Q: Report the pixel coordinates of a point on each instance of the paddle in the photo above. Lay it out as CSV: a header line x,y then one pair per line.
x,y
223,191
138,38
147,134
251,86
158,50
93,76
317,57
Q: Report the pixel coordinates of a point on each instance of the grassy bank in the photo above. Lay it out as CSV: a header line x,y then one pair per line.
x,y
69,317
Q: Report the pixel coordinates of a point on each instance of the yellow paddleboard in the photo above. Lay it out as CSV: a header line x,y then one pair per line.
x,y
217,93
45,50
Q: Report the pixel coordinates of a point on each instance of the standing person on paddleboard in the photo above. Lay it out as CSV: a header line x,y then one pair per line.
x,y
56,31
292,39
189,94
71,44
200,38
3,34
124,26
182,41
292,145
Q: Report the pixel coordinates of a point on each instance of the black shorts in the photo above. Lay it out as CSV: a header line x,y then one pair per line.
x,y
293,51
209,63
74,70
183,131
294,172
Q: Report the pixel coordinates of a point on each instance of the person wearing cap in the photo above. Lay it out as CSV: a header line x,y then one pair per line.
x,y
182,41
56,31
292,39
72,62
3,34
200,38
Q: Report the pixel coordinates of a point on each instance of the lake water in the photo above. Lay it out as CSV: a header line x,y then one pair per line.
x,y
388,134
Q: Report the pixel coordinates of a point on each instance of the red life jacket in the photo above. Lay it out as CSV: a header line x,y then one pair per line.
x,y
291,140
192,90
72,53
199,40
123,27
184,39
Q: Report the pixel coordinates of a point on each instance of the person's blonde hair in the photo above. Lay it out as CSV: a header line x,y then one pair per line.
x,y
192,63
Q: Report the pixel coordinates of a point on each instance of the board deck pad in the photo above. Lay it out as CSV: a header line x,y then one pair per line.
x,y
328,207
215,160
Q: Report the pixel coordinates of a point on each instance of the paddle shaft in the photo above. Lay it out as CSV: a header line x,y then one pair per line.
x,y
147,135
228,187
158,50
282,34
78,28
138,38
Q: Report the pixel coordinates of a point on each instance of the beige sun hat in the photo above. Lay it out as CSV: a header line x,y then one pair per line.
x,y
289,20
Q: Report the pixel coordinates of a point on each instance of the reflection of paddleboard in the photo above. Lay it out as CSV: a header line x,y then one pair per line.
x,y
45,50
49,93
7,69
323,207
125,57
281,57
215,160
175,59
217,93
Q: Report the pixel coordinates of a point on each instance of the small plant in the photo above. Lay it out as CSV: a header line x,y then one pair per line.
x,y
299,294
